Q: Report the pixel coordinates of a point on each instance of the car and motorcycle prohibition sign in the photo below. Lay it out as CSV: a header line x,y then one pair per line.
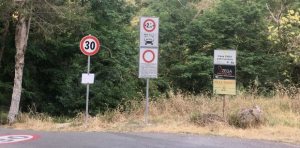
x,y
10,139
149,25
148,63
89,45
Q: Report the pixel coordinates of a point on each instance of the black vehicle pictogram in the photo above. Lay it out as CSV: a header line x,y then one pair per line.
x,y
149,39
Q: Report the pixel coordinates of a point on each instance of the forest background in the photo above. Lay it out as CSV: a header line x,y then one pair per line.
x,y
265,33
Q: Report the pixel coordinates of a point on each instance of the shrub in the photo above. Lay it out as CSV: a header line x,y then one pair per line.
x,y
3,117
195,116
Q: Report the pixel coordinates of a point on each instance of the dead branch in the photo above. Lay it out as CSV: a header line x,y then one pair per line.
x,y
110,53
275,19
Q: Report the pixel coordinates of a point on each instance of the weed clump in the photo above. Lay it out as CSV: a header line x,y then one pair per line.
x,y
234,120
195,116
207,119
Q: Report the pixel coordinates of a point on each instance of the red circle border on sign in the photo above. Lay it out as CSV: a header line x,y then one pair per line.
x,y
151,59
34,137
150,21
82,42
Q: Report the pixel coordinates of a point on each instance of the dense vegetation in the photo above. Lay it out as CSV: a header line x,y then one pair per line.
x,y
265,34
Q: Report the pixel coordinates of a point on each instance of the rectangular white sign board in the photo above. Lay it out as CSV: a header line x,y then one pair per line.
x,y
225,57
87,78
149,32
148,62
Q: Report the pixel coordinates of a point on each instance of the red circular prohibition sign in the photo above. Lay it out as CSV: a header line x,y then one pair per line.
x,y
82,44
144,25
153,56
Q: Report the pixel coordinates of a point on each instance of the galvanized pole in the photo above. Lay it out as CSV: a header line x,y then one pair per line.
x,y
87,92
224,105
147,100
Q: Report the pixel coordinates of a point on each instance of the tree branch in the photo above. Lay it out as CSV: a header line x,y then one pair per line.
x,y
204,4
180,2
110,53
276,20
29,21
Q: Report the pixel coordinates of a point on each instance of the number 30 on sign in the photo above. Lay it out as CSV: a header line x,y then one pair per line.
x,y
89,45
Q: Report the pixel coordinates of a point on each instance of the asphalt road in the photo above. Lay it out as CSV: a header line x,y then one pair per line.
x,y
132,140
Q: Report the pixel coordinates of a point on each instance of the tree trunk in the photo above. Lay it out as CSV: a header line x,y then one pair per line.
x,y
6,27
21,38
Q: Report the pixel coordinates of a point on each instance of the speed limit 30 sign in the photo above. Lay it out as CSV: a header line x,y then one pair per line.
x,y
89,45
10,139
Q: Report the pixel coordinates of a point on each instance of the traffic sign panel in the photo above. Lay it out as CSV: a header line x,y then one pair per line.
x,y
89,45
149,31
225,57
87,78
148,63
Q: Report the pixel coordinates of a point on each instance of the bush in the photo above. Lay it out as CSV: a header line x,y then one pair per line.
x,y
234,120
195,116
3,117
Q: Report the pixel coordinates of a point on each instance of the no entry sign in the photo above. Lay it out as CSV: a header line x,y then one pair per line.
x,y
149,32
89,45
9,139
148,63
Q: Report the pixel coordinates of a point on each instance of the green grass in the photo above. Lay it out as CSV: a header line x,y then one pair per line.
x,y
60,119
195,116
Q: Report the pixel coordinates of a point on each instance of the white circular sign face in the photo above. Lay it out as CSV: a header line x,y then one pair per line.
x,y
148,56
7,139
89,45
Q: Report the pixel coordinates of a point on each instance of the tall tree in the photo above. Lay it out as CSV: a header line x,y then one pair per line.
x,y
49,16
51,76
21,38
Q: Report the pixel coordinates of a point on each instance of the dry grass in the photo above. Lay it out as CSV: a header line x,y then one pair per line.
x,y
175,113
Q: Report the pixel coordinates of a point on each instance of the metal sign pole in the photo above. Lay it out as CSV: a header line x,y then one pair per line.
x,y
224,105
147,100
87,92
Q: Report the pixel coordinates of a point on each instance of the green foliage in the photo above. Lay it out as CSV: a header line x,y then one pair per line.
x,y
284,35
189,33
54,63
3,117
60,119
195,117
234,120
